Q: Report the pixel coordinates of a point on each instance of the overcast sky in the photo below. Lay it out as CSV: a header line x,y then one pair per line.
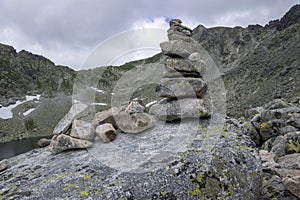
x,y
66,31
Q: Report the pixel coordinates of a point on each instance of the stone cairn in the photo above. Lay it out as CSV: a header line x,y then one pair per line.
x,y
182,88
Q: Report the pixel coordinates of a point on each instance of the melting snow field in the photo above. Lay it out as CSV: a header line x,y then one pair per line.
x,y
6,112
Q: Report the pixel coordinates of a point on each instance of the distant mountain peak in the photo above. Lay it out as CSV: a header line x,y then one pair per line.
x,y
290,18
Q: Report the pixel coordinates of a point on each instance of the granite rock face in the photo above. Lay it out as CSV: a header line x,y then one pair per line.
x,y
225,167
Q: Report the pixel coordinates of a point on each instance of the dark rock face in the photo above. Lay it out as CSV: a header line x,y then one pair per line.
x,y
23,73
224,167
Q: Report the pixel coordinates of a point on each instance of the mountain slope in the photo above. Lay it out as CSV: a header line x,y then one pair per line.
x,y
24,73
258,63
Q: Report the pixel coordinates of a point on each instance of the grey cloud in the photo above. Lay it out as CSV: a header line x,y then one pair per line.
x,y
75,26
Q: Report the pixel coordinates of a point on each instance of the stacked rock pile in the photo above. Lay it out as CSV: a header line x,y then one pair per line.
x,y
73,133
182,87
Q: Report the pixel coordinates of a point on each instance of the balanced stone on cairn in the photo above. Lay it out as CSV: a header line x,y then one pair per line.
x,y
183,85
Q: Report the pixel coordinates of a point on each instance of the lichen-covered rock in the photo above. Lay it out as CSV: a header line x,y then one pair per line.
x,y
181,109
181,87
221,168
77,110
4,165
64,142
292,182
82,130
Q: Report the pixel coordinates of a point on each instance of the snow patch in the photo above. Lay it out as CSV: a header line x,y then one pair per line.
x,y
98,90
6,112
28,111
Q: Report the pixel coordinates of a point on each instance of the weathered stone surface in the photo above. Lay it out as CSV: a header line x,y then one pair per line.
x,y
82,130
106,116
135,106
77,110
268,160
279,146
64,142
43,142
226,162
291,161
250,130
4,165
276,104
106,132
273,188
181,87
134,123
182,65
179,48
180,109
176,28
292,182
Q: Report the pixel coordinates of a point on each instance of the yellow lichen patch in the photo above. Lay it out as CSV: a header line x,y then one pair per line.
x,y
293,146
84,193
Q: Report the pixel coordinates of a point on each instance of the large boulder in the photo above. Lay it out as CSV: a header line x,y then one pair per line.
x,y
64,142
77,110
181,87
181,109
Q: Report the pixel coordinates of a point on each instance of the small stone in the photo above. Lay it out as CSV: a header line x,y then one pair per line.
x,y
135,106
181,109
181,87
82,130
77,110
64,142
106,132
134,123
106,116
43,142
4,165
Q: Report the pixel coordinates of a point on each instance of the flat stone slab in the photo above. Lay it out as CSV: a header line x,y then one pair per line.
x,y
181,109
181,87
77,110
179,48
184,66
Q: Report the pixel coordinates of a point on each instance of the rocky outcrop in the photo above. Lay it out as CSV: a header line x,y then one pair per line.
x,y
227,168
274,128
